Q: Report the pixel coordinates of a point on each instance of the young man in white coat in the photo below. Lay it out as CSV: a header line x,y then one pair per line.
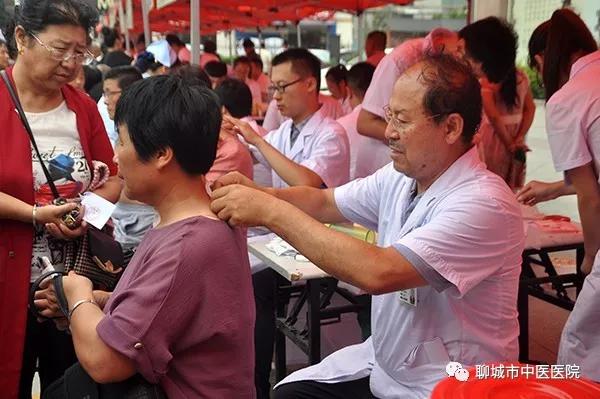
x,y
309,137
308,149
444,275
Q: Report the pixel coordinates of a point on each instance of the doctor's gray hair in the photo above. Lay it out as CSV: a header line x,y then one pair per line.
x,y
451,87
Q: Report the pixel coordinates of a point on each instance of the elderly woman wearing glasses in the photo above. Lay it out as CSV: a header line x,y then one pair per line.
x,y
50,36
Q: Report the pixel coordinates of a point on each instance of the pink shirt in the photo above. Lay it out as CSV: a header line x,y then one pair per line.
x,y
367,155
232,155
183,311
184,55
389,70
205,58
264,82
573,117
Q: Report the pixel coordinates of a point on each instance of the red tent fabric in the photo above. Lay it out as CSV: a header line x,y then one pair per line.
x,y
222,15
358,6
231,14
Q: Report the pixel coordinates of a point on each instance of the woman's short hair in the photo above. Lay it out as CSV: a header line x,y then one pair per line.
x,y
236,97
166,112
36,15
359,77
337,73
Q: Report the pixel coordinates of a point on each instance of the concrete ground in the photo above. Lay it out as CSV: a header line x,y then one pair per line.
x,y
545,321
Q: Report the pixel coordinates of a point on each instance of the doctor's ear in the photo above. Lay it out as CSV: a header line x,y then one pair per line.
x,y
454,128
311,84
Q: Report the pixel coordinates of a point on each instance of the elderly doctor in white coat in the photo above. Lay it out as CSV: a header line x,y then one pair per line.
x,y
445,272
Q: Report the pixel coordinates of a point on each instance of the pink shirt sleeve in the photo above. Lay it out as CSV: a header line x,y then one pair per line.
x,y
232,155
565,122
379,92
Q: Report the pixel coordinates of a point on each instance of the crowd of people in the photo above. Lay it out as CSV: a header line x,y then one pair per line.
x,y
425,145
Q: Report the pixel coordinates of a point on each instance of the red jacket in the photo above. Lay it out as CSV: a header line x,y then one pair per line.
x,y
16,238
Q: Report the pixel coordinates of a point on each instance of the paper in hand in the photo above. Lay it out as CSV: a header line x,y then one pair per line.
x,y
97,210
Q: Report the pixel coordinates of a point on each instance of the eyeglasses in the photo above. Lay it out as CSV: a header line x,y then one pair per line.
x,y
64,55
280,88
397,124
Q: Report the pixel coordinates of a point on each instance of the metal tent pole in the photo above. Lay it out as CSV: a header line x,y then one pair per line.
x,y
195,31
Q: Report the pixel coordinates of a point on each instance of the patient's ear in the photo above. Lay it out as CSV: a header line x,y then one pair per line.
x,y
163,157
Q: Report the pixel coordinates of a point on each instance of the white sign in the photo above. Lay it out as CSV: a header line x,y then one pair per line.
x,y
129,14
164,3
105,4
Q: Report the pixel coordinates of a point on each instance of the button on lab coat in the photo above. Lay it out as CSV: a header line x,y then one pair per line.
x,y
468,228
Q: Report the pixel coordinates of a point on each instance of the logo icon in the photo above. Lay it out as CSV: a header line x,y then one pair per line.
x,y
456,370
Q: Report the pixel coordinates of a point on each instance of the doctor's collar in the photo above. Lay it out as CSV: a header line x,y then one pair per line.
x,y
303,123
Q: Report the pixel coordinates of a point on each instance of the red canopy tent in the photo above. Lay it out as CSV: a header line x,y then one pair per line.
x,y
218,15
230,14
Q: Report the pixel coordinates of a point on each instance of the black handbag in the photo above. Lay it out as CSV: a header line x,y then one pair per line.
x,y
76,384
96,255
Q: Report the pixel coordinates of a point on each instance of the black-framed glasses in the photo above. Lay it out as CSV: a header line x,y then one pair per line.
x,y
280,88
64,55
395,122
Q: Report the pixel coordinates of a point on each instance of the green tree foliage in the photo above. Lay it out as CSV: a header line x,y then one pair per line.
x,y
535,81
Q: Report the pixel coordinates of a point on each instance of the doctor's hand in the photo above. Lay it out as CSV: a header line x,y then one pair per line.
x,y
239,205
536,191
243,128
586,265
233,178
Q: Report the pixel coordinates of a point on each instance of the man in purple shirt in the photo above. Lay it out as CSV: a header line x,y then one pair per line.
x,y
182,314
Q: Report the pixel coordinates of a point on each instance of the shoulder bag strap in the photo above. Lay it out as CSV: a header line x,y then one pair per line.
x,y
21,113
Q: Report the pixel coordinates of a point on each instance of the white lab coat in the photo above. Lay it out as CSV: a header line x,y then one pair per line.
x,y
573,126
580,339
329,106
109,124
322,146
468,228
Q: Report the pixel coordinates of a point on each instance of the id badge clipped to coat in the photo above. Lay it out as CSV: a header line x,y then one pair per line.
x,y
408,296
